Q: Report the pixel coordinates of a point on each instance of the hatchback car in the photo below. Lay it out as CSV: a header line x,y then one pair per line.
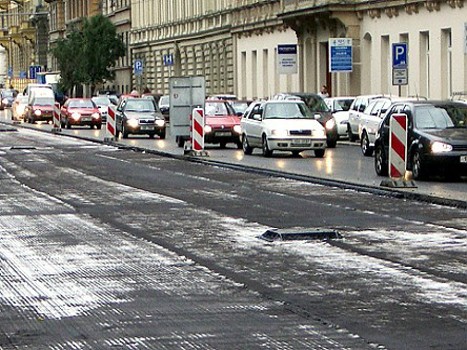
x,y
80,112
320,111
436,142
164,106
139,116
222,124
284,126
40,108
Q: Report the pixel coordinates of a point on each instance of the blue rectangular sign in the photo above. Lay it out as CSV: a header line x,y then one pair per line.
x,y
340,55
168,59
138,67
399,55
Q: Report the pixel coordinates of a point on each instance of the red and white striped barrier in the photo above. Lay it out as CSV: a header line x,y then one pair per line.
x,y
398,145
111,124
56,118
197,129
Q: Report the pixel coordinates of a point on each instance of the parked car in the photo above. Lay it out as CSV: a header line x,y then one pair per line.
x,y
19,108
80,112
320,111
282,125
223,97
139,116
369,122
40,108
164,106
339,107
102,102
436,142
222,124
7,97
356,109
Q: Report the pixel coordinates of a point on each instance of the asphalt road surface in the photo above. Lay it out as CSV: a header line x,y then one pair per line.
x,y
104,248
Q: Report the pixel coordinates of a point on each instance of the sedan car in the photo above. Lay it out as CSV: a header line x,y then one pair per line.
x,y
40,108
339,107
19,108
80,112
436,142
222,124
320,111
282,125
139,116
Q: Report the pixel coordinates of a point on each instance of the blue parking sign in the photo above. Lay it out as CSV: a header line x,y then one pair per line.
x,y
399,55
138,67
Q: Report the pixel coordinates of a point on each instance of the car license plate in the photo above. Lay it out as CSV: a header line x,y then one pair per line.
x,y
223,133
463,159
301,142
147,127
85,119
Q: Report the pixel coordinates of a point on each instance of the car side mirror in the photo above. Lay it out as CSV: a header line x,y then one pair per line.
x,y
257,116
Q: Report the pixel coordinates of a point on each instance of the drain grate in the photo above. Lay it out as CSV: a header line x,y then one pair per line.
x,y
273,235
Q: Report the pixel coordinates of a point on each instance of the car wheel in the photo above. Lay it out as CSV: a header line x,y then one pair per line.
x,y
319,153
351,136
365,145
245,146
62,124
152,135
223,144
162,135
99,126
266,151
381,164
124,132
180,141
418,169
239,144
331,142
68,125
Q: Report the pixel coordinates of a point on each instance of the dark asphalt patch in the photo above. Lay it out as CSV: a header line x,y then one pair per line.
x,y
274,235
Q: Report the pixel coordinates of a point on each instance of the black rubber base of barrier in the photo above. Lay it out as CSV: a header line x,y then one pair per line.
x,y
398,183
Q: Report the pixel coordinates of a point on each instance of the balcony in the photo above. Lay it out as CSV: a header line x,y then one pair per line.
x,y
27,31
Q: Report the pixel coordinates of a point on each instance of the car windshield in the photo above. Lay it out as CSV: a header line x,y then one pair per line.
x,y
240,107
432,118
43,101
141,105
81,104
316,104
287,111
8,93
458,114
101,101
164,101
343,104
218,109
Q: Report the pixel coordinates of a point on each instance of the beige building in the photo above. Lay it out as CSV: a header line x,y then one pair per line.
x,y
234,44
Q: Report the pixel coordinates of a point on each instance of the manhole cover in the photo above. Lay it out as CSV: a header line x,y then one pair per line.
x,y
273,235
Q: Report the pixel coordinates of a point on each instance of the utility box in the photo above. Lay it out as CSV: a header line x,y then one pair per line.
x,y
186,94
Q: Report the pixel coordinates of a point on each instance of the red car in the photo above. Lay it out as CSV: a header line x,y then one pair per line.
x,y
40,108
222,124
80,111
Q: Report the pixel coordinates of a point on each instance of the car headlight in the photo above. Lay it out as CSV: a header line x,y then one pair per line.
x,y
237,129
37,112
440,147
330,124
207,129
76,115
160,122
279,132
95,115
133,123
319,133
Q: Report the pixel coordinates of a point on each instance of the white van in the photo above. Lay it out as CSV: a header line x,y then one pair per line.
x,y
32,86
39,92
